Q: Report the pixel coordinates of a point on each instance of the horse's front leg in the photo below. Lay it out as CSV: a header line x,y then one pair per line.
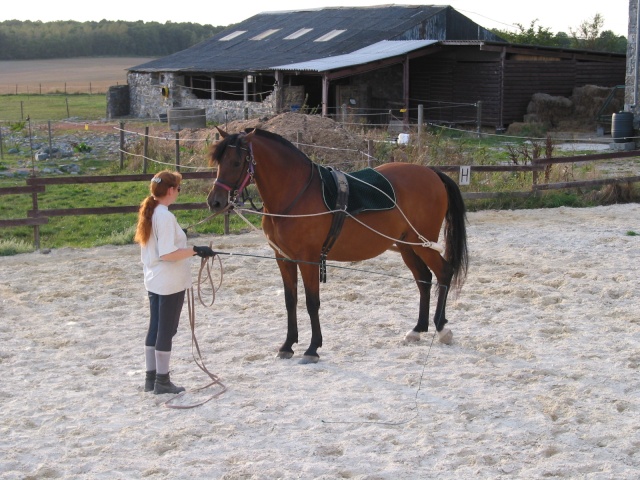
x,y
289,273
311,279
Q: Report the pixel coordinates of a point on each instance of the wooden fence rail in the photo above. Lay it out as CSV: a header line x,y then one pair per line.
x,y
536,187
37,185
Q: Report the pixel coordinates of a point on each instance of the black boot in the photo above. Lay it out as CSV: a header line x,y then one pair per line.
x,y
163,385
149,381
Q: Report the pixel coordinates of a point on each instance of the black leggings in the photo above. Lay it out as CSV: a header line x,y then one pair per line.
x,y
164,319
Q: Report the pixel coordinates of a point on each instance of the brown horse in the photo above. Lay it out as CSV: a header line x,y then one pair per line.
x,y
291,191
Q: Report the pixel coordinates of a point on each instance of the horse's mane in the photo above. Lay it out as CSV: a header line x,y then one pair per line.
x,y
218,150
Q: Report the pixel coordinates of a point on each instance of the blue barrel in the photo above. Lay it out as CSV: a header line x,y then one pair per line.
x,y
622,127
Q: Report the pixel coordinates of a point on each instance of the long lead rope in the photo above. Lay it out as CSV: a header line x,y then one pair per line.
x,y
205,266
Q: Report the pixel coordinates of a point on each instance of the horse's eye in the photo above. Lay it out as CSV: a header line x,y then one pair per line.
x,y
236,164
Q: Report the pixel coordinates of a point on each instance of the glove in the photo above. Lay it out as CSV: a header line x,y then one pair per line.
x,y
204,252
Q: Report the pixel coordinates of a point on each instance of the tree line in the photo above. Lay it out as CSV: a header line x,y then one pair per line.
x,y
589,35
30,40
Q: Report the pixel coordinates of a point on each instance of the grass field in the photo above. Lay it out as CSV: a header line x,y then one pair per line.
x,y
16,108
67,75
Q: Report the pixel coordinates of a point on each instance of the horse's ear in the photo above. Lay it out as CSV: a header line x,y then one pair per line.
x,y
250,135
223,134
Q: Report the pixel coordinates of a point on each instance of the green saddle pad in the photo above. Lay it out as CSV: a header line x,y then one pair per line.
x,y
368,190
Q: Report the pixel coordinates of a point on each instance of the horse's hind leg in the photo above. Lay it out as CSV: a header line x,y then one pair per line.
x,y
289,273
423,278
417,263
444,273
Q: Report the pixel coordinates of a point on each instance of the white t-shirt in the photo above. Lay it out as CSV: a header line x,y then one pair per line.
x,y
164,277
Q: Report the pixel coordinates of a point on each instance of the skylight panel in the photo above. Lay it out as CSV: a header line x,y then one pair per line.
x,y
232,35
329,36
265,34
298,34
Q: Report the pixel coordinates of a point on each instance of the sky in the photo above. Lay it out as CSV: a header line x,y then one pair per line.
x,y
556,15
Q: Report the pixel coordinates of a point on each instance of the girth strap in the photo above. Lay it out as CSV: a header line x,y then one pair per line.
x,y
337,222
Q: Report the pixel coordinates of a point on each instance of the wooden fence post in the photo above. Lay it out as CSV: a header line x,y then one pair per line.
x,y
50,142
66,100
369,153
479,117
1,145
121,145
177,151
145,151
36,228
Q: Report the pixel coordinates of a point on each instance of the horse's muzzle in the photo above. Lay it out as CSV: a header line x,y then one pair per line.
x,y
218,201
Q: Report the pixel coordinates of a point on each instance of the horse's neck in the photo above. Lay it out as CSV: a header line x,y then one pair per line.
x,y
280,174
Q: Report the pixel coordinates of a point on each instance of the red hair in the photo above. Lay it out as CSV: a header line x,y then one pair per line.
x,y
159,187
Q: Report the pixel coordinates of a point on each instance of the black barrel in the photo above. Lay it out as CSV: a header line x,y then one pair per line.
x,y
622,127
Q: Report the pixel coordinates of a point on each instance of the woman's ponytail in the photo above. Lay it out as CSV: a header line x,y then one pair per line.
x,y
143,230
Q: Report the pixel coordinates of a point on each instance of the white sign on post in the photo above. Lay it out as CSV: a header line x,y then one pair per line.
x,y
465,175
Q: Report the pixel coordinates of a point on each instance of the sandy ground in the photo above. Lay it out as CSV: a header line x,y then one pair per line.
x,y
542,379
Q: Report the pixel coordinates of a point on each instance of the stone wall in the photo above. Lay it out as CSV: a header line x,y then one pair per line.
x,y
153,95
632,95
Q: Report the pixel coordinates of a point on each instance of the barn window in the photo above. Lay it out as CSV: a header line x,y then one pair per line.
x,y
298,34
232,35
329,36
265,34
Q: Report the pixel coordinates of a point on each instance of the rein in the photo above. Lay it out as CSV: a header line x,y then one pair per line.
x,y
205,267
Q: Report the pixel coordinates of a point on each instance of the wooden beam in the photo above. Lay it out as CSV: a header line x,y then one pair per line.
x,y
19,222
587,158
111,178
18,190
492,168
586,183
565,54
63,212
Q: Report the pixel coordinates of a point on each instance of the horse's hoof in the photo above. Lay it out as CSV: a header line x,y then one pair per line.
x,y
412,336
445,336
309,359
284,355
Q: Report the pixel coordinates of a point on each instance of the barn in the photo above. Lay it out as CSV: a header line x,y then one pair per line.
x,y
378,62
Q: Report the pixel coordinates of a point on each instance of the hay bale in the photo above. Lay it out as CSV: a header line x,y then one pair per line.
x,y
588,101
550,109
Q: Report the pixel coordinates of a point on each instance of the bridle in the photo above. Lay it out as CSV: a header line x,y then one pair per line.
x,y
241,183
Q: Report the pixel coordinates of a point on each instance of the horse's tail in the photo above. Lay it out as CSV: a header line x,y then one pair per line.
x,y
455,231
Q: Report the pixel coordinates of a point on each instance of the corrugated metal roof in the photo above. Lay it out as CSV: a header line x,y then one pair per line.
x,y
378,51
363,26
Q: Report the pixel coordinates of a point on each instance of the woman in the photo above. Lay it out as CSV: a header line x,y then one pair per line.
x,y
167,275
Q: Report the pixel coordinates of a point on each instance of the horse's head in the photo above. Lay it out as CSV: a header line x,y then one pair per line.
x,y
235,163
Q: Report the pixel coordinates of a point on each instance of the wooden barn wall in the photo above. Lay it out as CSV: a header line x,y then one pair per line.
x,y
440,84
447,88
523,79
